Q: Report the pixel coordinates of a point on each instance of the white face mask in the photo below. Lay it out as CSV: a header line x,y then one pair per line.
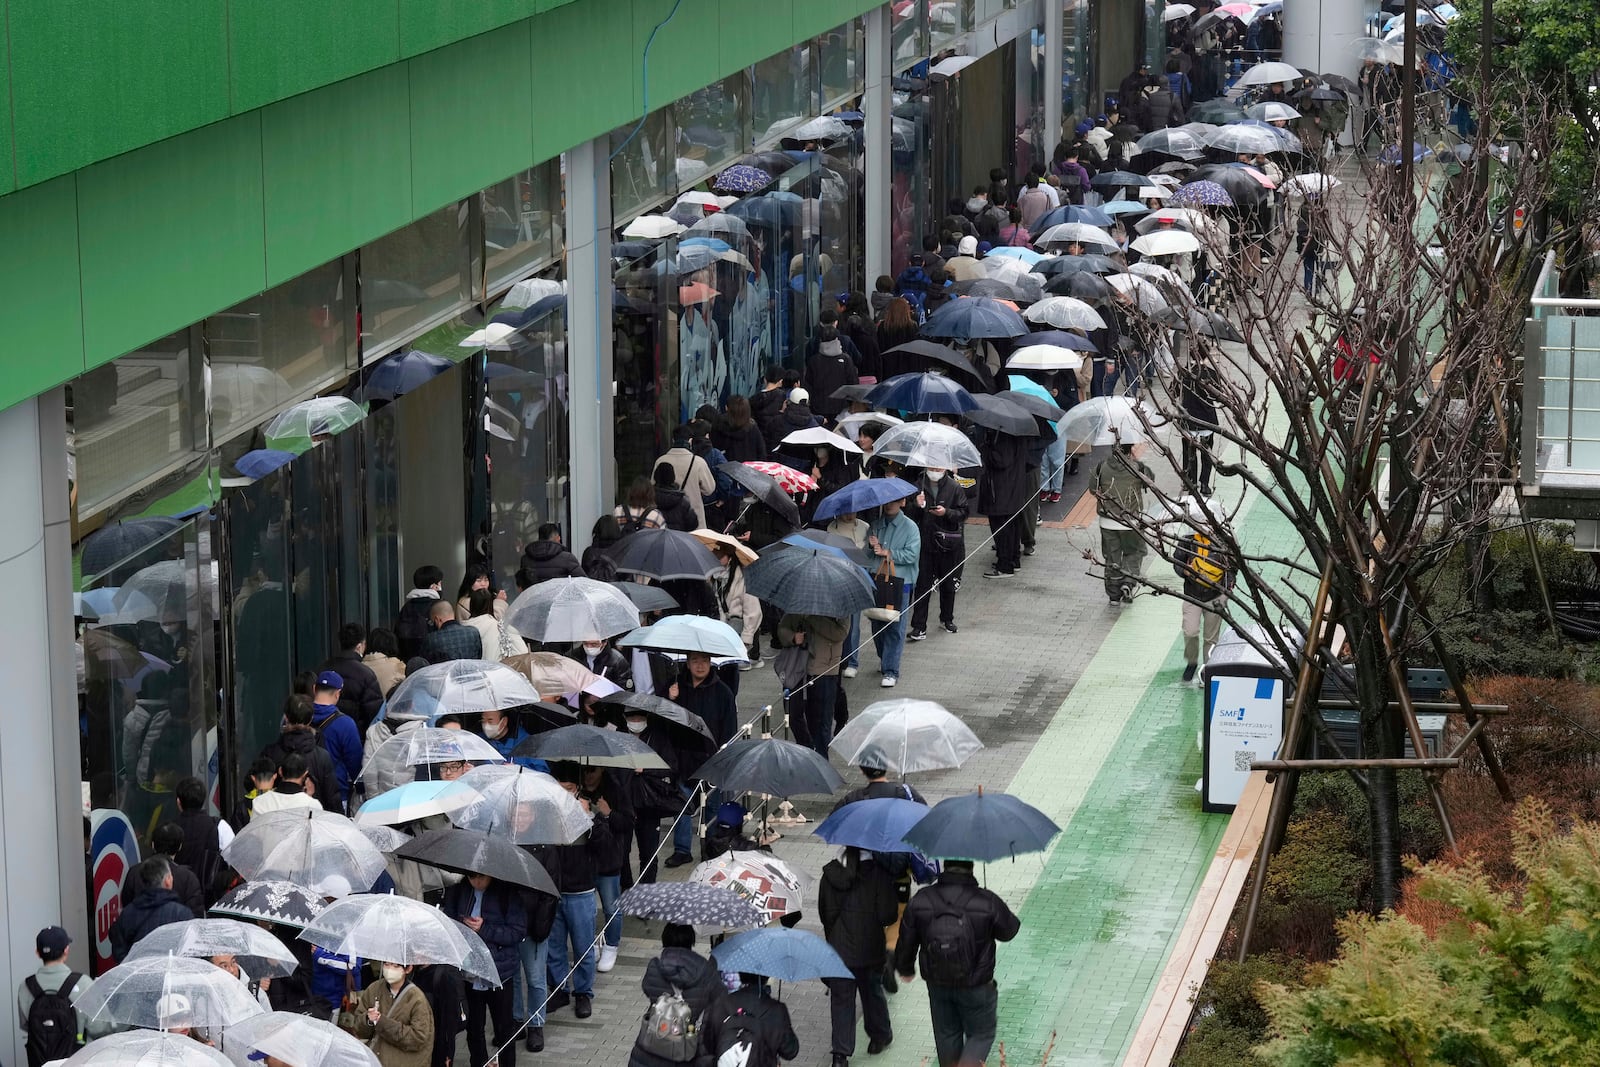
x,y
393,974
172,629
636,726
935,476
494,729
593,650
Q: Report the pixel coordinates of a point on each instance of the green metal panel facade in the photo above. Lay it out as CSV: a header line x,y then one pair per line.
x,y
429,24
8,168
163,209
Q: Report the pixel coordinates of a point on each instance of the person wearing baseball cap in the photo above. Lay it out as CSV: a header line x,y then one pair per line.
x,y
54,974
337,731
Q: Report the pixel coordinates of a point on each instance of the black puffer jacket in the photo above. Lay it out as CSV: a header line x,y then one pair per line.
x,y
692,975
739,445
857,899
550,559
988,915
149,910
325,776
614,789
674,507
766,1019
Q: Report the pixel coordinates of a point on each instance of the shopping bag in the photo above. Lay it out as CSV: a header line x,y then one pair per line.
x,y
888,593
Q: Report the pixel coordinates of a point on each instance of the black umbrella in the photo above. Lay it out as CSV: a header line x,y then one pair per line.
x,y
479,852
993,288
765,489
946,356
122,540
647,597
1081,284
810,582
663,555
1180,168
771,766
1118,179
1092,262
663,709
1033,404
691,904
1341,83
1239,185
1199,321
1061,339
592,747
1000,414
848,392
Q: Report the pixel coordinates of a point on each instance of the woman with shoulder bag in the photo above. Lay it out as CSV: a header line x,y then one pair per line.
x,y
943,549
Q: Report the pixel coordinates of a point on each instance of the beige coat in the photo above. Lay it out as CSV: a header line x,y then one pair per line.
x,y
825,639
388,670
403,1035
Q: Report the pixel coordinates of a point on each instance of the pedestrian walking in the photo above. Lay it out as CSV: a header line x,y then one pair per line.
x,y
1207,576
944,517
880,787
950,929
679,971
496,913
1198,388
394,1017
856,901
749,1027
1119,487
50,1025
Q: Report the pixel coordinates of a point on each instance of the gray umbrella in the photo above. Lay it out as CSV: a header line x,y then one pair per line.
x,y
479,852
691,904
663,709
810,582
591,746
646,597
1032,404
663,555
772,766
998,413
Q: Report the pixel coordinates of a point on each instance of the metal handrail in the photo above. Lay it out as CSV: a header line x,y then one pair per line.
x,y
1556,301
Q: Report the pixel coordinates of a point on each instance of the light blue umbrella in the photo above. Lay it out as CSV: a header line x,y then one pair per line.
x,y
777,952
1027,255
689,633
415,800
878,825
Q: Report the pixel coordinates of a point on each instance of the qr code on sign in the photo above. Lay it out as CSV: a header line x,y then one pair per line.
x,y
1242,760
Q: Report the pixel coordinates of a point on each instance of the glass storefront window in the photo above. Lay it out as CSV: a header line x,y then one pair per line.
x,y
784,91
644,361
909,35
842,63
288,342
643,165
713,129
1029,91
414,278
949,19
1076,95
911,135
522,230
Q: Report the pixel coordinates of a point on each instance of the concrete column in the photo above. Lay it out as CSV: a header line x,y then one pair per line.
x,y
592,475
41,808
1317,34
876,103
1054,42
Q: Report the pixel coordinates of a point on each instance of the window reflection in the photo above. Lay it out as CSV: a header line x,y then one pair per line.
x,y
784,92
842,68
644,356
414,277
713,129
642,164
522,222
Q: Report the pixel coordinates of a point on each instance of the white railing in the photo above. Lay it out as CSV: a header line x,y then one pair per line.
x,y
1561,383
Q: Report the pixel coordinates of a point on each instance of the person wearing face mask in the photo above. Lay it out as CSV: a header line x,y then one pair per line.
x,y
944,517
502,730
394,1018
602,659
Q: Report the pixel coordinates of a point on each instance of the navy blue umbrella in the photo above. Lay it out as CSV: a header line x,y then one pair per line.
x,y
810,582
1093,263
878,825
922,393
777,952
1391,154
982,826
862,494
770,211
1072,213
972,317
1061,339
521,318
403,372
121,541
262,462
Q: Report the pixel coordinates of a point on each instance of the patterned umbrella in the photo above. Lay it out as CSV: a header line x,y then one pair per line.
x,y
810,582
741,179
760,878
788,955
772,766
789,479
270,901
974,317
692,904
1204,193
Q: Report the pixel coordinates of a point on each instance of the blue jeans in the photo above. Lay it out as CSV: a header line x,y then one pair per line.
x,y
1055,465
852,654
574,924
889,638
609,886
530,982
683,829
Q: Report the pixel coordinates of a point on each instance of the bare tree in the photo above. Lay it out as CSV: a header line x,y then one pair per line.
x,y
1384,461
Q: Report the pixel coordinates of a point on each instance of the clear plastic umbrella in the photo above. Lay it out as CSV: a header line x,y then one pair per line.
x,y
528,806
395,929
320,850
1065,313
1269,74
166,993
461,687
1105,420
157,593
427,746
928,444
1140,292
571,609
1076,233
1248,140
296,1040
303,425
148,1048
256,951
1272,111
906,737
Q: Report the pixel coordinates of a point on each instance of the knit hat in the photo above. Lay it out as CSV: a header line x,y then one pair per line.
x,y
968,246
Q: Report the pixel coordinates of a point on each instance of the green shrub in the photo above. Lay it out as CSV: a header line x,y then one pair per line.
x,y
1229,1019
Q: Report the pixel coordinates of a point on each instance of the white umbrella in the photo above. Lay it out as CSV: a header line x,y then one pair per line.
x,y
1044,357
1272,111
258,953
1003,268
496,335
653,227
1269,74
166,993
1165,243
460,687
1174,12
850,424
426,746
147,1048
1145,296
700,197
1076,232
825,128
1065,313
817,435
571,609
1154,192
1105,420
296,1040
526,806
928,444
1310,184
321,850
906,737
396,929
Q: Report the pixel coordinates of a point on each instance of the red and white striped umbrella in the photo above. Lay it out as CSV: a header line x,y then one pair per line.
x,y
791,480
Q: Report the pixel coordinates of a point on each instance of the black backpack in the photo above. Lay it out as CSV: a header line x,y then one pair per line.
x,y
52,1023
630,522
950,947
738,1043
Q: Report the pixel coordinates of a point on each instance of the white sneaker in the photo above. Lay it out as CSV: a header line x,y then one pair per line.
x,y
889,681
608,959
850,672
